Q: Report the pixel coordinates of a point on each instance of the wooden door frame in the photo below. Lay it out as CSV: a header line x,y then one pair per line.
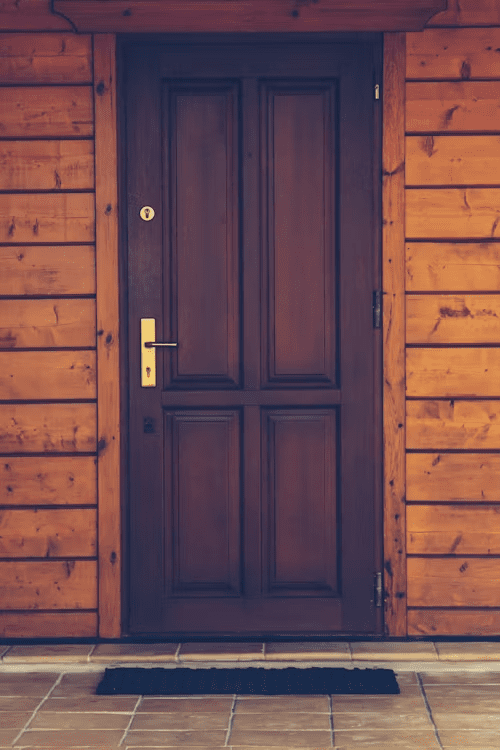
x,y
112,338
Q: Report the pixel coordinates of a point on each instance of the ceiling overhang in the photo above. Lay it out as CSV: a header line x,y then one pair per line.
x,y
192,16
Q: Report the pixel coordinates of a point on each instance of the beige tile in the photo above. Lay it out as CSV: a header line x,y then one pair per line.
x,y
451,720
461,692
33,683
14,719
461,651
469,738
65,739
75,653
76,720
273,722
182,720
173,747
406,678
7,736
316,739
134,652
467,705
378,739
389,720
92,703
19,703
307,651
283,704
460,678
379,703
73,685
393,651
102,746
221,651
280,747
204,705
173,738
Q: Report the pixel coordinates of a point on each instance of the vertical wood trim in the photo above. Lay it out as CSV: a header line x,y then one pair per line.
x,y
108,381
393,276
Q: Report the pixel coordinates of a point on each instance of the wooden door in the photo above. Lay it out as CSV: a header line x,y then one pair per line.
x,y
252,476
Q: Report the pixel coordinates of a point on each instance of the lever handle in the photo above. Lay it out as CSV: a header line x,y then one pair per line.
x,y
148,352
150,344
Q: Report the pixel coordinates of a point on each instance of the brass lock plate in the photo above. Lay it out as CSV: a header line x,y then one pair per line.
x,y
147,213
148,355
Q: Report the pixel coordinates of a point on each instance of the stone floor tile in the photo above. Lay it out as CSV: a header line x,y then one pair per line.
x,y
460,678
261,738
7,736
379,703
281,722
219,651
466,705
151,704
65,739
406,678
102,746
308,651
19,702
283,704
174,747
461,692
461,739
463,651
92,703
79,720
449,720
134,652
78,652
73,685
382,720
393,651
173,738
27,684
413,739
14,719
182,720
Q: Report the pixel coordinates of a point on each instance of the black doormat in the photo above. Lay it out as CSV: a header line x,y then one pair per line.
x,y
247,681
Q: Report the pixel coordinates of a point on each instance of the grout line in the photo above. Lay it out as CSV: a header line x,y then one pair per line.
x,y
264,650
131,720
330,703
428,709
176,657
230,724
47,696
94,646
351,655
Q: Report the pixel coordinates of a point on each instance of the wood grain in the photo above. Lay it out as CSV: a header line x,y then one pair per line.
x,y
26,15
461,477
45,58
31,270
393,280
481,622
452,159
46,165
452,106
47,323
454,212
48,480
47,428
46,624
48,584
453,530
467,372
453,582
54,111
67,217
468,13
453,53
453,319
108,352
48,533
452,266
47,375
460,425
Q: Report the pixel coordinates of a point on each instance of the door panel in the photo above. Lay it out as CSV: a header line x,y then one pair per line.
x,y
252,495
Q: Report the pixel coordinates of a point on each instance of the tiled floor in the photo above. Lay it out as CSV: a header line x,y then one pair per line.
x,y
444,708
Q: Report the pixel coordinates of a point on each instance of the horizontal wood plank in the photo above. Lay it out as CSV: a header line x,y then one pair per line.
x,y
33,270
46,165
48,428
453,582
45,58
46,624
461,477
40,323
54,111
47,375
453,319
48,480
58,532
453,212
452,159
457,425
453,53
479,622
68,584
64,217
26,15
452,106
462,372
453,530
452,266
468,13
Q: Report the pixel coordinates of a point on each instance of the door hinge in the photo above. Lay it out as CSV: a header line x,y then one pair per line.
x,y
377,308
378,589
377,91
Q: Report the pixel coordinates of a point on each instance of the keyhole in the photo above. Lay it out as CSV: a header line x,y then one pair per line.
x,y
146,213
148,372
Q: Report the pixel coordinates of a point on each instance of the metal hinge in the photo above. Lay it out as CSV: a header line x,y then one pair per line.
x,y
377,309
378,589
377,91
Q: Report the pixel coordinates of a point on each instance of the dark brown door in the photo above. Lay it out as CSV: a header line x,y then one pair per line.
x,y
252,486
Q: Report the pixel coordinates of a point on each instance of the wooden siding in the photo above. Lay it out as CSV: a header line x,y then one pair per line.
x,y
453,323
48,414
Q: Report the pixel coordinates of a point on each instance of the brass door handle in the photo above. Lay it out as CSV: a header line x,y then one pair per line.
x,y
148,352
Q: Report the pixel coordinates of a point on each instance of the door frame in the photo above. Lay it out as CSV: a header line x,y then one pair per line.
x,y
124,41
